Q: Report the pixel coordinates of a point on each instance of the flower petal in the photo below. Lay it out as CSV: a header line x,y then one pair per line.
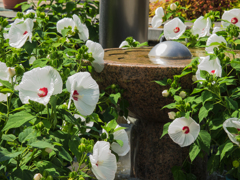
x,y
156,21
82,28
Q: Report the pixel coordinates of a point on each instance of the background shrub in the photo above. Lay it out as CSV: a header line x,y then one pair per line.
x,y
196,8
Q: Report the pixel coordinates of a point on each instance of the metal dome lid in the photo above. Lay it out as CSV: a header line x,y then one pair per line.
x,y
170,50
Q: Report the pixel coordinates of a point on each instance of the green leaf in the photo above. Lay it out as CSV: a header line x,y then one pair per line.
x,y
173,91
120,142
42,144
6,155
56,44
25,7
65,31
235,63
142,44
6,84
67,116
112,124
73,146
194,151
119,128
114,98
203,74
70,6
214,44
40,63
231,103
162,82
232,130
178,174
203,113
204,140
6,90
196,90
20,174
64,154
168,15
177,98
165,129
39,1
17,120
237,41
27,134
170,106
207,96
30,46
227,147
8,137
47,123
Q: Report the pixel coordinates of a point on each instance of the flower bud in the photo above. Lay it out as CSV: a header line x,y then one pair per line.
x,y
182,94
194,78
235,163
48,150
165,93
172,115
173,6
82,147
37,176
32,59
11,72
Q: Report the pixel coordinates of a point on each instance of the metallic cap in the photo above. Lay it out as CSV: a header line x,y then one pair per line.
x,y
170,50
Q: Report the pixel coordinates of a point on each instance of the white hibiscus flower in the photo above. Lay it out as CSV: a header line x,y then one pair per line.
x,y
211,66
97,53
83,32
65,23
39,84
84,92
157,18
214,38
20,33
5,76
233,16
174,29
104,165
217,29
120,135
202,27
6,34
183,131
235,123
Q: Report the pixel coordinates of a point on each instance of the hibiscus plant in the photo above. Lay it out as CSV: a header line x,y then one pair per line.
x,y
53,115
205,114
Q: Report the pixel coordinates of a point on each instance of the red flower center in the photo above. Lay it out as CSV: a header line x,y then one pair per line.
x,y
176,30
186,129
25,32
75,95
97,164
234,20
43,92
213,71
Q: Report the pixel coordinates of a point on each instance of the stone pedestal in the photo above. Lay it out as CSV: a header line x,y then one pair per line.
x,y
151,157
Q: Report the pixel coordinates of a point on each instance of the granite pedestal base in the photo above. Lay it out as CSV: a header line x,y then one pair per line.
x,y
152,158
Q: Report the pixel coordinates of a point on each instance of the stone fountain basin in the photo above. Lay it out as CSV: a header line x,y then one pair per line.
x,y
134,72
